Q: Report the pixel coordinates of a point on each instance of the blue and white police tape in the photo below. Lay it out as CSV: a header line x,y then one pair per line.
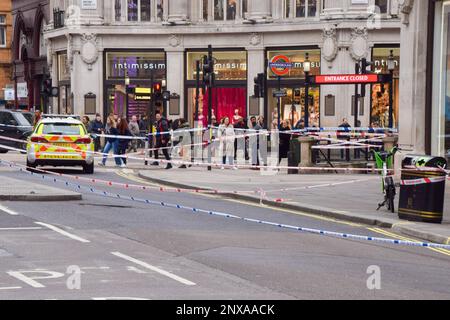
x,y
231,216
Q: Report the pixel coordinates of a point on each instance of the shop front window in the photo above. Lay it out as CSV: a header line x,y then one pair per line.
x,y
293,106
380,92
225,101
229,65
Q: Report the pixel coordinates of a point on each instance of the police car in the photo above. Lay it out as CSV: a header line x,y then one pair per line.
x,y
60,141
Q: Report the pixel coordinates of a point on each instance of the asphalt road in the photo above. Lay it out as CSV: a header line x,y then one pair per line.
x,y
127,249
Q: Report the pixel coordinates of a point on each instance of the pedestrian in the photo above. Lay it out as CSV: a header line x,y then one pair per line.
x,y
345,126
112,142
185,149
133,127
240,128
162,139
254,127
285,139
87,123
97,128
36,118
226,137
124,140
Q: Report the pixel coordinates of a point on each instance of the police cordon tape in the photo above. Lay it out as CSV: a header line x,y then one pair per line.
x,y
231,216
417,182
217,165
202,164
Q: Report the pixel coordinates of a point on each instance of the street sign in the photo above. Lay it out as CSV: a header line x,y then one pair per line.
x,y
280,65
9,94
279,94
346,79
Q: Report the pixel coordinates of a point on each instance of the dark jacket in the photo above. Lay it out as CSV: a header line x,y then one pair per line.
x,y
162,127
124,143
112,132
284,142
96,127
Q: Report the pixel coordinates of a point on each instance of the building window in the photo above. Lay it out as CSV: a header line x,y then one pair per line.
x,y
383,5
205,10
2,31
139,10
225,9
42,51
301,8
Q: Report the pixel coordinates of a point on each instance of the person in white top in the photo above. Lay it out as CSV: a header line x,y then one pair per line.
x,y
226,137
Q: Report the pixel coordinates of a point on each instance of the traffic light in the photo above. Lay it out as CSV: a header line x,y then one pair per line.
x,y
157,91
366,64
208,71
259,89
47,87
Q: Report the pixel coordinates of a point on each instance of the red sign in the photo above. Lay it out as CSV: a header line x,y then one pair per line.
x,y
346,78
280,65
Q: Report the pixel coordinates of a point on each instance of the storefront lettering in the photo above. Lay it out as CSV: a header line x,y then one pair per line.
x,y
227,66
143,66
346,78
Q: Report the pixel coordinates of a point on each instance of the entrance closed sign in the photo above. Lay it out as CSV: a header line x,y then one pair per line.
x,y
346,78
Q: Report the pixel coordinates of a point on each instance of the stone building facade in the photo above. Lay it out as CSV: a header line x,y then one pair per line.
x,y
5,51
101,43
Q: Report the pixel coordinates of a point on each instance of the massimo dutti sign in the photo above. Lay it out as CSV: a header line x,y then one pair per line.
x,y
137,65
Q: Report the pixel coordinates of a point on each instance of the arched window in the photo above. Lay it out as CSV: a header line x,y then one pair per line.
x,y
42,49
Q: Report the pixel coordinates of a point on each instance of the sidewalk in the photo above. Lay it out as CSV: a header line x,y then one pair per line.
x,y
354,198
21,190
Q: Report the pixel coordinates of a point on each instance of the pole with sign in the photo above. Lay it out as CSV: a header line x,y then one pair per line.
x,y
280,66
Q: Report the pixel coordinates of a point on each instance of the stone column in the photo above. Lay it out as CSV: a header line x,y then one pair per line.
x,y
259,11
178,10
255,65
334,9
175,75
413,56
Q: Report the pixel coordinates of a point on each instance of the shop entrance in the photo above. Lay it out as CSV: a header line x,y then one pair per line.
x,y
293,106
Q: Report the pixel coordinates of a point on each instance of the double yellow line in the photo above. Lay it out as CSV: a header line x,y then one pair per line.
x,y
398,237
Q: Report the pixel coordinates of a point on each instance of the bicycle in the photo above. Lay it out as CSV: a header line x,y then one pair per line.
x,y
385,160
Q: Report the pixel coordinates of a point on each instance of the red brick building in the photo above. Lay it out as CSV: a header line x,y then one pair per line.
x,y
29,51
5,49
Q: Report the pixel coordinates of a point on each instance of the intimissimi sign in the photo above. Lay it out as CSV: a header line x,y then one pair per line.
x,y
138,65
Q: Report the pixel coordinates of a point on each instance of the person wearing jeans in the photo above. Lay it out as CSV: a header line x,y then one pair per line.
x,y
112,143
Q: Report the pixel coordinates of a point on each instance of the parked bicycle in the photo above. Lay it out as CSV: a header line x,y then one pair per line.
x,y
384,161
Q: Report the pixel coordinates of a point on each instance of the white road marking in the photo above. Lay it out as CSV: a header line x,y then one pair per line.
x,y
8,211
153,268
134,269
62,232
10,288
24,228
31,281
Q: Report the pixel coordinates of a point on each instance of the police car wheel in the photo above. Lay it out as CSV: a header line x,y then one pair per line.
x,y
88,168
31,166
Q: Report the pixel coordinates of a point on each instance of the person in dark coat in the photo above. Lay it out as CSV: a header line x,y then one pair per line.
x,y
97,128
124,143
285,139
162,138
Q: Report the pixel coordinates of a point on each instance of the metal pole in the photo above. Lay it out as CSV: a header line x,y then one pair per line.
x,y
279,104
356,96
391,107
306,100
197,89
210,102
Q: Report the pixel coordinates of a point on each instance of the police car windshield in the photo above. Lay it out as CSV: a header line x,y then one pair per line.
x,y
62,129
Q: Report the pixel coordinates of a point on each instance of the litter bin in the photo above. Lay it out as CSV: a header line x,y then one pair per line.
x,y
294,156
422,189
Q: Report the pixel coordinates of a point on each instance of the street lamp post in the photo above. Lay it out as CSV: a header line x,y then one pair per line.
x,y
391,68
307,70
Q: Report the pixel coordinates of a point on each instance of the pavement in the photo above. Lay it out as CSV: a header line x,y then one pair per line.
x,y
349,197
20,190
